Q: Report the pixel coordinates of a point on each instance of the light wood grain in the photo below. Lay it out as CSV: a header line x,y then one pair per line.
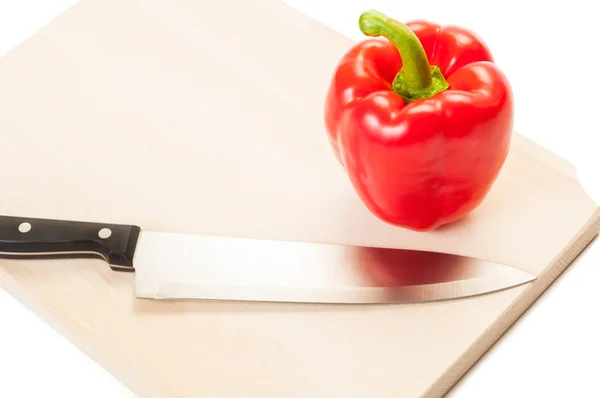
x,y
137,112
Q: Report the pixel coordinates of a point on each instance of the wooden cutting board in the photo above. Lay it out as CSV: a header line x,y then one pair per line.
x,y
148,112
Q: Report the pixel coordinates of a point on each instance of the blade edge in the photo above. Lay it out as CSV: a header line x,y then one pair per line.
x,y
350,295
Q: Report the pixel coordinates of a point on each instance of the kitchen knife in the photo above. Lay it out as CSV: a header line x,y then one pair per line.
x,y
183,266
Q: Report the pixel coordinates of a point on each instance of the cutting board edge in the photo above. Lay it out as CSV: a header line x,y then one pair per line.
x,y
449,379
33,36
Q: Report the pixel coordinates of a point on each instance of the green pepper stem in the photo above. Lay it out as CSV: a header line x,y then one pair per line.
x,y
417,78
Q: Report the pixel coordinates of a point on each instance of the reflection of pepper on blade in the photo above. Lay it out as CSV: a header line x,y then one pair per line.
x,y
420,120
394,267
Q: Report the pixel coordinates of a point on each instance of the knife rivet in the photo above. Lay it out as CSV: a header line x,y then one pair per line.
x,y
24,227
105,233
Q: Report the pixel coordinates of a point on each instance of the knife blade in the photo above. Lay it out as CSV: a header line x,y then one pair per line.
x,y
185,266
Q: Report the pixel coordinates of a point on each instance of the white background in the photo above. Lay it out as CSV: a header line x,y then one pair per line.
x,y
550,53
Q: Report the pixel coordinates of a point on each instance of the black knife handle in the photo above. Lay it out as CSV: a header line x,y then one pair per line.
x,y
21,236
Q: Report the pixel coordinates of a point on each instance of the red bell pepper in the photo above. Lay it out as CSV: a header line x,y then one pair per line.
x,y
421,119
